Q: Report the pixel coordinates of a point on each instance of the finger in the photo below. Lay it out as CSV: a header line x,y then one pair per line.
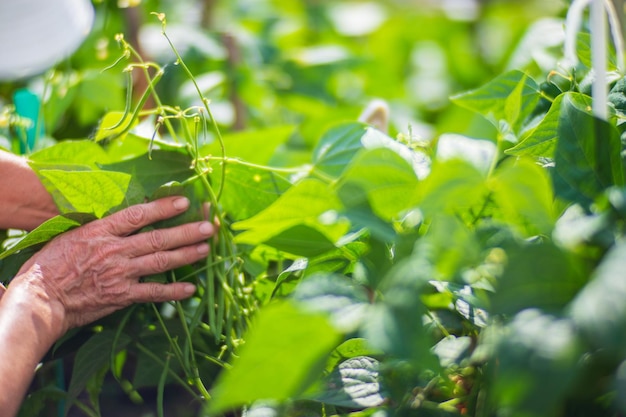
x,y
165,239
152,292
2,290
166,260
133,218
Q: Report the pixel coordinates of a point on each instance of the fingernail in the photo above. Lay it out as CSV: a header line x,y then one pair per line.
x,y
206,228
181,203
203,248
189,289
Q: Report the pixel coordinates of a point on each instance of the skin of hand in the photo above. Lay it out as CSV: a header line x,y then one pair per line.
x,y
25,202
85,274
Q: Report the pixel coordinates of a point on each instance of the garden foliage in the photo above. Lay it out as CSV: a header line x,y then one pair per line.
x,y
379,275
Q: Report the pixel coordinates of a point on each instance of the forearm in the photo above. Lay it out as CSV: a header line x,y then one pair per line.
x,y
24,201
28,328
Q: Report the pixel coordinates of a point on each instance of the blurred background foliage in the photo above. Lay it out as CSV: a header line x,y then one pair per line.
x,y
305,63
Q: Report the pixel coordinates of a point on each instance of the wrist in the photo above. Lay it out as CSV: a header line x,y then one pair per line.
x,y
29,296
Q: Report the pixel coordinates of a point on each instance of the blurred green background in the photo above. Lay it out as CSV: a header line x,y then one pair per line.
x,y
305,63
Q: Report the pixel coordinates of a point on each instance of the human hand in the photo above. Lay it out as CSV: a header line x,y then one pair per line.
x,y
94,270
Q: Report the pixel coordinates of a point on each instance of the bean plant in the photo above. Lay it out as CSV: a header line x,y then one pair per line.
x,y
383,275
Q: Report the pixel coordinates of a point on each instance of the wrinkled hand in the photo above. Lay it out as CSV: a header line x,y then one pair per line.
x,y
94,270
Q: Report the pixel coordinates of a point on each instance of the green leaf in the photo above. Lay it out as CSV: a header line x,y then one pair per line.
x,y
349,349
285,351
337,148
302,204
599,309
387,179
537,276
301,240
451,349
92,356
537,359
587,156
453,187
95,192
394,324
255,146
510,97
164,167
542,140
71,152
248,190
353,384
344,302
523,194
47,230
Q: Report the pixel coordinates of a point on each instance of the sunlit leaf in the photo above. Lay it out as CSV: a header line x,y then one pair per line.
x,y
284,352
355,384
95,192
302,204
509,97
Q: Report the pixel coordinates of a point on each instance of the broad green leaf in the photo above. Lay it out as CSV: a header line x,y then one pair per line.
x,y
523,193
95,192
587,156
354,384
340,298
69,152
301,240
510,97
453,187
248,190
254,146
151,173
541,142
337,148
537,275
599,309
92,356
285,351
451,349
388,181
394,324
47,230
583,50
537,358
302,204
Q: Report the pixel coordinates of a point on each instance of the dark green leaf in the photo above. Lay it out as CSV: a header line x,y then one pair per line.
x,y
599,309
537,275
587,156
92,356
537,359
164,167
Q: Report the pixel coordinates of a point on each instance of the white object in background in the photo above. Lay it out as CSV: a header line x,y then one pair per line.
x,y
36,34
